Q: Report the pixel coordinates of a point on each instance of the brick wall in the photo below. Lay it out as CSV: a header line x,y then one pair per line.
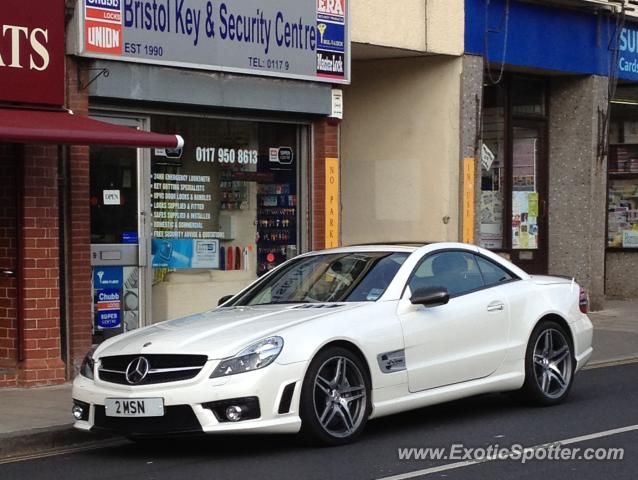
x,y
78,229
326,144
40,324
40,289
8,260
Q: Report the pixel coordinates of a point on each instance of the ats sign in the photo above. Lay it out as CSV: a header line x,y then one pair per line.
x,y
32,51
305,39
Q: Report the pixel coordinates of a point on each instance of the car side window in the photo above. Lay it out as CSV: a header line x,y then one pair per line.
x,y
492,273
377,279
456,271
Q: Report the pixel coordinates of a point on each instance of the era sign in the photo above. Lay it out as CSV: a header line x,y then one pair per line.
x,y
32,52
332,7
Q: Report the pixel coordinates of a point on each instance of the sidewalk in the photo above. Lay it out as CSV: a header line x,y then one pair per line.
x,y
36,420
616,331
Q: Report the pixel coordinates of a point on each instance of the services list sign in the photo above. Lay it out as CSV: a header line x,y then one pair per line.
x,y
303,39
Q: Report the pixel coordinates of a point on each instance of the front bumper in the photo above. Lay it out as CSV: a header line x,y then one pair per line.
x,y
184,402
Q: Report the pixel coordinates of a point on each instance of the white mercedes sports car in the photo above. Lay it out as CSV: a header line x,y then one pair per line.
x,y
331,339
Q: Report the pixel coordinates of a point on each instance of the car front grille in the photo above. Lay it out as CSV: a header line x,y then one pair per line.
x,y
176,419
162,368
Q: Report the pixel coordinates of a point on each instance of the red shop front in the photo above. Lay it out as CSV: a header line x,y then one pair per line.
x,y
44,213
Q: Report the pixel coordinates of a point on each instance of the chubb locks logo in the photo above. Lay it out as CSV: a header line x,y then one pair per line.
x,y
103,26
15,38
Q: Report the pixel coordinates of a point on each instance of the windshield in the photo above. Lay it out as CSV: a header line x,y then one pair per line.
x,y
342,277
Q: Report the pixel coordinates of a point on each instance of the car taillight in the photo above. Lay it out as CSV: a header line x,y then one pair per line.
x,y
583,300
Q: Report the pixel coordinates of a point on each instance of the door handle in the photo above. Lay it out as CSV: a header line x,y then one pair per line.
x,y
5,272
496,307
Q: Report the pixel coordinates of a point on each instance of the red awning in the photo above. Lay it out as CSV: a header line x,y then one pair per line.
x,y
44,126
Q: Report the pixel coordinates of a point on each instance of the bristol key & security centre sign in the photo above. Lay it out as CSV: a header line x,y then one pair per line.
x,y
302,39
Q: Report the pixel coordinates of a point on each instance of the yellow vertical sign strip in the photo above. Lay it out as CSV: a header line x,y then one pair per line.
x,y
332,202
469,178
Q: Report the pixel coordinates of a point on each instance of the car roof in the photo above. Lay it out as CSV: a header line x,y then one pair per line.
x,y
408,247
411,247
373,247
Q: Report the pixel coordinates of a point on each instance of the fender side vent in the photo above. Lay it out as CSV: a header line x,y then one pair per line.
x,y
286,398
391,362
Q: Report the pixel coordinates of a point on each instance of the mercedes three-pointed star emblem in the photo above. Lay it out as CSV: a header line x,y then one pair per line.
x,y
137,370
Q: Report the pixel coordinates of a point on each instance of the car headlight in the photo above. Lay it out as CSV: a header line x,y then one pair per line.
x,y
258,355
86,370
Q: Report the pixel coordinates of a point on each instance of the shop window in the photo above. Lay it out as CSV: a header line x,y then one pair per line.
x,y
492,201
622,220
525,188
225,208
528,96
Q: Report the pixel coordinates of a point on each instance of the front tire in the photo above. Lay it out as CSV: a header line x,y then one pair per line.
x,y
335,397
549,365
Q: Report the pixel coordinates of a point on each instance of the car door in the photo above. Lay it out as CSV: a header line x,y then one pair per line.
x,y
463,340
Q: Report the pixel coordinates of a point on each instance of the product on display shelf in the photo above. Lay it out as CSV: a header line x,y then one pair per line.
x,y
276,224
229,258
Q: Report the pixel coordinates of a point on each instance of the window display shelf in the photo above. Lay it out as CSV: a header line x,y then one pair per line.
x,y
623,175
622,198
276,224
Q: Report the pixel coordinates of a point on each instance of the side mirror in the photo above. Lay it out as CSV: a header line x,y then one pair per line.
x,y
430,296
224,299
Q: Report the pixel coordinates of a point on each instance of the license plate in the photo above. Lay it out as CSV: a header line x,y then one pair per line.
x,y
134,407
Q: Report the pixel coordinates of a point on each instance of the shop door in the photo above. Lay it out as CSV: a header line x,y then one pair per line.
x,y
528,201
118,235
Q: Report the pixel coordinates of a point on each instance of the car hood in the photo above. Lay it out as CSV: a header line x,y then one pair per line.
x,y
218,333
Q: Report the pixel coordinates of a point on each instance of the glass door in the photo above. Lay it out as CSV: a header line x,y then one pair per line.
x,y
528,201
514,171
118,237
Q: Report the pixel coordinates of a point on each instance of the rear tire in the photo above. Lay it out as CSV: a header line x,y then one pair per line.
x,y
549,365
335,398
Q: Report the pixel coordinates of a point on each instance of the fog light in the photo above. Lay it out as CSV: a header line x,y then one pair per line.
x,y
78,412
234,409
233,413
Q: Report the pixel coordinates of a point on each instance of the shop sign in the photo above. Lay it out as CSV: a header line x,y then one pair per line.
x,y
32,52
628,53
108,277
107,319
185,253
469,180
630,239
108,305
581,43
111,197
332,203
337,104
281,158
303,39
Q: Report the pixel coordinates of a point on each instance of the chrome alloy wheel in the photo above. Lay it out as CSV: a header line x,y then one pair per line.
x,y
340,397
552,363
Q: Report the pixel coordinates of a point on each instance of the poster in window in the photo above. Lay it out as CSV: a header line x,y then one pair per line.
x,y
525,220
